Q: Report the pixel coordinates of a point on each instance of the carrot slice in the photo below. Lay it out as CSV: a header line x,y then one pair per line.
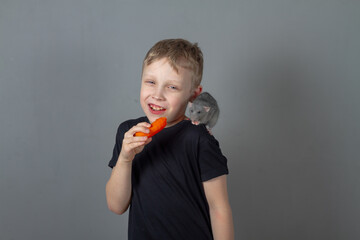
x,y
155,127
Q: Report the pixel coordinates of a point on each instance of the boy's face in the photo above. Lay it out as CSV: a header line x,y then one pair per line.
x,y
164,92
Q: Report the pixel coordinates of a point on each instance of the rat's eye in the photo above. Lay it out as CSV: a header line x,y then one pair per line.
x,y
198,112
191,110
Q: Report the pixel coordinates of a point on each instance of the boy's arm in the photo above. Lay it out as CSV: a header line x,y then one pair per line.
x,y
219,207
118,187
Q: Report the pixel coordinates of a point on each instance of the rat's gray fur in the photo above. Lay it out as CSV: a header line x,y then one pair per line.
x,y
204,109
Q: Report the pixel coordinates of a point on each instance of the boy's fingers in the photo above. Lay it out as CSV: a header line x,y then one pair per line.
x,y
141,127
148,140
144,124
132,132
132,139
136,144
129,147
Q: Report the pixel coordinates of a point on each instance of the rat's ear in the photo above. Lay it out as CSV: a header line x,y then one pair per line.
x,y
190,104
196,92
207,109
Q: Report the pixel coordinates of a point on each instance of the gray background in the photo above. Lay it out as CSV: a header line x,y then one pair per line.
x,y
286,75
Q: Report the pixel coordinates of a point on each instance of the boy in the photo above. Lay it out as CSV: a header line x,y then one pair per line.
x,y
174,182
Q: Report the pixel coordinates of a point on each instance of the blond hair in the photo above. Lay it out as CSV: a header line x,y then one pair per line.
x,y
180,53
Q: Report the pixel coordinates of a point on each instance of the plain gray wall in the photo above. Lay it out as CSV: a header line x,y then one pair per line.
x,y
286,74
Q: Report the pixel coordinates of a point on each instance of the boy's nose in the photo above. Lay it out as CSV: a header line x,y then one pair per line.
x,y
158,95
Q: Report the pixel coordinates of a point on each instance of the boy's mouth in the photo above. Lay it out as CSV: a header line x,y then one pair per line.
x,y
155,109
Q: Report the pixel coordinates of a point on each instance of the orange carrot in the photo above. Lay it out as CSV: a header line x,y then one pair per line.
x,y
155,127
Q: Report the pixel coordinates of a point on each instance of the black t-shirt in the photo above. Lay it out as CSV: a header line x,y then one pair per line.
x,y
168,199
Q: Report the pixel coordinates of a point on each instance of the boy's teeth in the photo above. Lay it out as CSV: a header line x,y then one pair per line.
x,y
156,108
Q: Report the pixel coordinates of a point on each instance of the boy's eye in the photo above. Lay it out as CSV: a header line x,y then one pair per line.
x,y
150,82
173,87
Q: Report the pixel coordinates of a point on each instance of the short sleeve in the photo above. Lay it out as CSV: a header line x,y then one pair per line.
x,y
122,129
211,160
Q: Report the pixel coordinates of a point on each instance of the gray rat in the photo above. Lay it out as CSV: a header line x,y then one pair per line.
x,y
204,109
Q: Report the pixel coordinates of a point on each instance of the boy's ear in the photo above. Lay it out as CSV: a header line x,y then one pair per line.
x,y
196,92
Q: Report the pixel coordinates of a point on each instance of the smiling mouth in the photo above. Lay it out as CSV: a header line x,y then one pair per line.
x,y
156,107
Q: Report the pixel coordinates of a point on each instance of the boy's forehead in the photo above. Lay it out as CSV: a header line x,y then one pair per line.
x,y
163,66
158,63
180,64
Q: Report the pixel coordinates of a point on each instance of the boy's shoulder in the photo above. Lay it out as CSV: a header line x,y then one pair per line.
x,y
197,131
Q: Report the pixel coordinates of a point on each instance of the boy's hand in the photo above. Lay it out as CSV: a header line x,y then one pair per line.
x,y
132,145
